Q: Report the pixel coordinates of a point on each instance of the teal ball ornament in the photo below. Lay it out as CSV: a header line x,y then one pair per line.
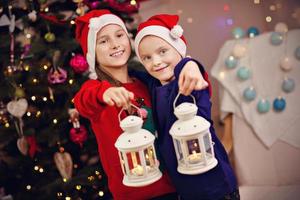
x,y
297,53
263,106
231,62
249,94
243,73
238,33
276,38
288,85
252,32
279,104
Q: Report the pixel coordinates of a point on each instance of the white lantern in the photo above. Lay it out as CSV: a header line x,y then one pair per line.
x,y
192,140
137,153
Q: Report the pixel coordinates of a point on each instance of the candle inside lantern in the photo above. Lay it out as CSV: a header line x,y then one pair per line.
x,y
194,157
138,170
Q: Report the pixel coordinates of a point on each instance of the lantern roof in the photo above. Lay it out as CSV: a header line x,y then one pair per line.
x,y
134,137
189,127
136,140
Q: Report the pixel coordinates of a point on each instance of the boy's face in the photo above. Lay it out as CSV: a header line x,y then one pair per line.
x,y
112,47
159,58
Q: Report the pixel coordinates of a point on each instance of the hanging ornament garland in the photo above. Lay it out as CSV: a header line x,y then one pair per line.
x,y
78,133
244,73
56,74
64,163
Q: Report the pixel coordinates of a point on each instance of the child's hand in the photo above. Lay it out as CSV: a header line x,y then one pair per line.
x,y
191,79
118,96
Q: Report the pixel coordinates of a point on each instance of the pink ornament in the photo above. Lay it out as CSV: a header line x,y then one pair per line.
x,y
78,135
143,112
79,63
58,75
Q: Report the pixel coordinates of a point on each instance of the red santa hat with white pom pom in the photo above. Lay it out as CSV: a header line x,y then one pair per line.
x,y
163,26
87,27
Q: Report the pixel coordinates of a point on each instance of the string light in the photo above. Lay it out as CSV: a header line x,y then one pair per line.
x,y
46,9
226,7
45,99
38,113
45,67
28,187
34,80
33,98
91,178
71,81
68,198
65,180
26,68
41,170
28,114
59,194
101,193
36,168
97,172
133,2
72,22
272,7
257,1
6,125
28,35
78,187
268,18
54,121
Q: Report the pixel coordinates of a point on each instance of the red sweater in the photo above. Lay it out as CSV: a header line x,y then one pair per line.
x,y
105,124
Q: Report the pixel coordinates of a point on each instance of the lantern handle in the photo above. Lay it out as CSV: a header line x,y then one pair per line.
x,y
137,108
176,98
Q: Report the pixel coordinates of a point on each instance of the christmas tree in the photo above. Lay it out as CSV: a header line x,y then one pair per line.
x,y
47,151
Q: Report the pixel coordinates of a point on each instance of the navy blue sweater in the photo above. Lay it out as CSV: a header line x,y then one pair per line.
x,y
211,185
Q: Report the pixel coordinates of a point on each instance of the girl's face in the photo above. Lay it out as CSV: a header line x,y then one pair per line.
x,y
159,58
112,47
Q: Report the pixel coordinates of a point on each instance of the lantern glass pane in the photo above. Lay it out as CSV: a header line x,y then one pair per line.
x,y
179,150
194,151
149,156
122,162
134,163
208,146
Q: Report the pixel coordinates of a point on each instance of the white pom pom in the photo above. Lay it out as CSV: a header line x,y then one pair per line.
x,y
176,32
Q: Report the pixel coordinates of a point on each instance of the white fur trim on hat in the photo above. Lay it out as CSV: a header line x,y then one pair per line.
x,y
96,24
163,33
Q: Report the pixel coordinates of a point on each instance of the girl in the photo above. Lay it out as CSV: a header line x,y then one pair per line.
x,y
105,43
160,46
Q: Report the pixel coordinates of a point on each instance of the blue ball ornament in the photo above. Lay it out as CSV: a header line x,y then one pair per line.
x,y
243,73
297,53
279,104
238,33
276,38
263,106
288,85
231,62
249,94
252,31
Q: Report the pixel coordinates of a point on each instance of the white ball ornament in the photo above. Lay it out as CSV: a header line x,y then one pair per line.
x,y
286,63
239,51
281,27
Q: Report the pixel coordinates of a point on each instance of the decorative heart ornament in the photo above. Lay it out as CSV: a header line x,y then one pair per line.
x,y
64,164
17,108
22,145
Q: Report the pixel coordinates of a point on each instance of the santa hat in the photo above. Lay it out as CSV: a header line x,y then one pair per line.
x,y
163,26
87,27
